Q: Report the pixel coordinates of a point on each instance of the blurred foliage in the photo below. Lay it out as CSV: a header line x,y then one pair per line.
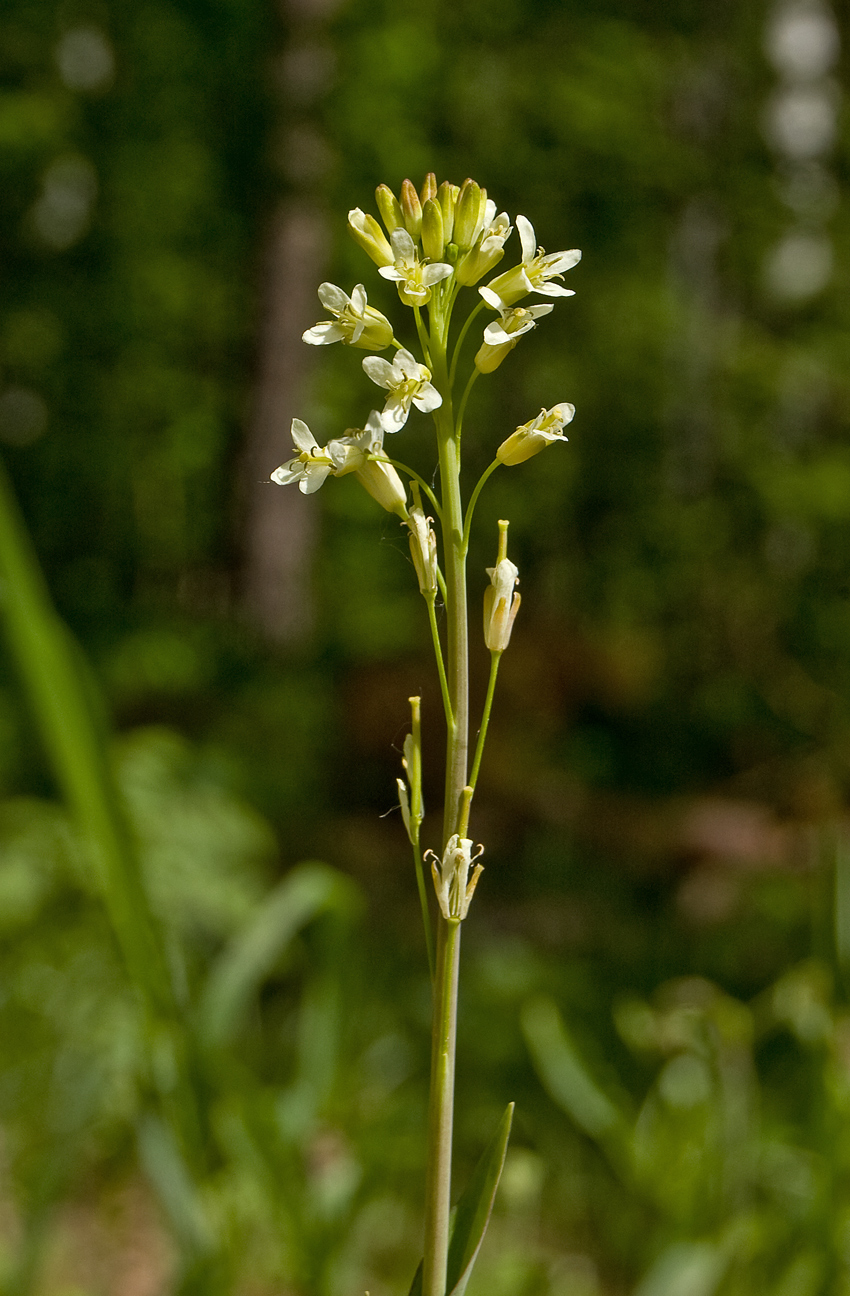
x,y
658,970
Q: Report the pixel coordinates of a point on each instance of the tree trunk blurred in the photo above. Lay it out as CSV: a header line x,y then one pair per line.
x,y
279,526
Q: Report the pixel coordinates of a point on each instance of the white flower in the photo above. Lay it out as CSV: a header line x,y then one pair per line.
x,y
502,335
535,271
354,323
452,882
488,249
361,454
532,437
407,381
310,467
414,279
501,604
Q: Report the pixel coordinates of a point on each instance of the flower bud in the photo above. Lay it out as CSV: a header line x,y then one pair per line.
x,y
532,437
433,243
487,252
429,187
467,213
501,604
366,231
389,207
411,208
447,197
423,551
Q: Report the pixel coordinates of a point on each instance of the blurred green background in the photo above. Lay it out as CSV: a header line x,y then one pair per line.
x,y
220,1086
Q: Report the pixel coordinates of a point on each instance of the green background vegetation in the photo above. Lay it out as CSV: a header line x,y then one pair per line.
x,y
656,966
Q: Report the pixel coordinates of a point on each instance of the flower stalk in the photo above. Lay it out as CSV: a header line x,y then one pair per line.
x,y
439,241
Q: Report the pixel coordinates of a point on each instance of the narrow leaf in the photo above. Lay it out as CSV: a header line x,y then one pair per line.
x,y
416,1287
563,1072
472,1213
308,891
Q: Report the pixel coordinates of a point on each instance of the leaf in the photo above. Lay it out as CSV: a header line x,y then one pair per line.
x,y
472,1214
308,891
563,1072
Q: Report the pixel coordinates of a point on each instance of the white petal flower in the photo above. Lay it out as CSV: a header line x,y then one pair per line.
x,y
535,271
452,882
408,383
355,322
414,279
310,467
361,453
532,437
502,335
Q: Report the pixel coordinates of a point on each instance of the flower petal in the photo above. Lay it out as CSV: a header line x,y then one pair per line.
x,y
496,335
381,371
323,334
314,475
407,366
427,398
433,273
291,471
403,245
527,237
358,298
492,299
552,290
333,298
558,262
395,414
302,437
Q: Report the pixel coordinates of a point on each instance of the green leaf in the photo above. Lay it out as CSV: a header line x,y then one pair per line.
x,y
563,1072
472,1213
308,891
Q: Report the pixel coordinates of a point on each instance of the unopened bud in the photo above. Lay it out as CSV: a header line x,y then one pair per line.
x,y
467,213
429,187
447,197
366,231
433,243
501,604
389,207
423,551
411,208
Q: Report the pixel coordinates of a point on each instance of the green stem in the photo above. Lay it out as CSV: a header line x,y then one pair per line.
x,y
423,337
423,901
461,336
495,658
473,500
414,476
438,1185
441,667
464,398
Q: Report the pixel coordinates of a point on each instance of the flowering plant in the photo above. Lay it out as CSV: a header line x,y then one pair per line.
x,y
433,244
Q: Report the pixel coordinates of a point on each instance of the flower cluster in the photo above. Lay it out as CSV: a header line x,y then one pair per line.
x,y
433,242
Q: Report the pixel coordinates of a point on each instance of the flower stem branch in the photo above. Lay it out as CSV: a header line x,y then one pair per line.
x,y
473,500
495,658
